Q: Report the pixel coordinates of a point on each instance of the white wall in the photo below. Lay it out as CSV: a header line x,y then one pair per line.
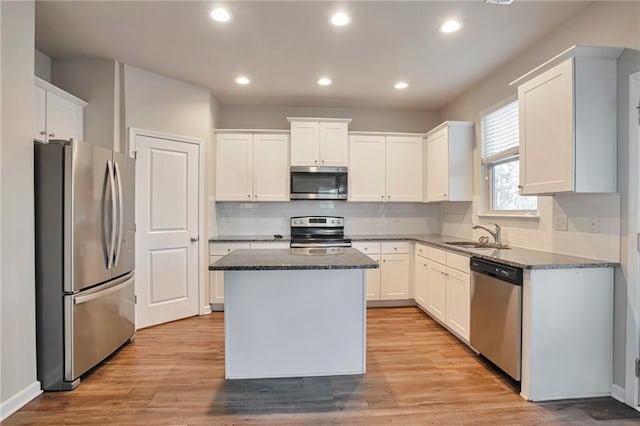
x,y
93,80
162,104
360,218
42,66
369,119
18,382
602,23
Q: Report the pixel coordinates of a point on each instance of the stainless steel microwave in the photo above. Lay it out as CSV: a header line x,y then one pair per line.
x,y
318,183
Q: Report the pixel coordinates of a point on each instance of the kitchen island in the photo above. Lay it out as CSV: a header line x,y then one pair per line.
x,y
294,313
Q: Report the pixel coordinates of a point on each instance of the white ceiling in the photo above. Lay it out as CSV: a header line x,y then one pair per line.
x,y
284,47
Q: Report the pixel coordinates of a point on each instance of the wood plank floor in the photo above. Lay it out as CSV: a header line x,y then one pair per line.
x,y
417,373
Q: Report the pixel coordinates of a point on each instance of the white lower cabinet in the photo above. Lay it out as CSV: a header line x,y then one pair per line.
x,y
437,290
420,272
373,280
442,287
458,302
394,277
391,280
216,278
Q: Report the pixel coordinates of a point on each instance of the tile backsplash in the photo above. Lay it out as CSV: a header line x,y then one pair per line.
x,y
360,218
582,238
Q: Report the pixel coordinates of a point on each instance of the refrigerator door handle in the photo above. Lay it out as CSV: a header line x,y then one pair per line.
x,y
91,296
112,246
120,212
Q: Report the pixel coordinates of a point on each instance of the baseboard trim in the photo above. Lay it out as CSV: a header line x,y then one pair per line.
x,y
390,303
19,400
617,392
206,310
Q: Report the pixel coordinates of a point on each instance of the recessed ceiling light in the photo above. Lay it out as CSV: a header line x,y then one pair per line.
x,y
450,27
324,81
401,85
340,19
243,80
220,14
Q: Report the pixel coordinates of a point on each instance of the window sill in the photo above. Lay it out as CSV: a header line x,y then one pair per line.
x,y
524,216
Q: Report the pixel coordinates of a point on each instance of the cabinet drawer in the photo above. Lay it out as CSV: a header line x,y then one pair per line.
x,y
394,247
422,250
221,249
438,255
458,261
271,245
367,247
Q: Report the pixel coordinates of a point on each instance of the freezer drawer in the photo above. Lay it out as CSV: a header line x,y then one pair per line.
x,y
97,322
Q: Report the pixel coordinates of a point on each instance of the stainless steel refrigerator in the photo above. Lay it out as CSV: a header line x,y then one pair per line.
x,y
85,242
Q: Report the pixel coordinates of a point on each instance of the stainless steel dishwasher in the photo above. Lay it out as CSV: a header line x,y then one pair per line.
x,y
496,314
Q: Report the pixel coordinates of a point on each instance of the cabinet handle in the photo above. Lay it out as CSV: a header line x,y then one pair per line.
x,y
444,195
194,239
322,161
520,186
384,260
43,132
382,196
395,248
388,196
315,161
52,135
249,196
255,196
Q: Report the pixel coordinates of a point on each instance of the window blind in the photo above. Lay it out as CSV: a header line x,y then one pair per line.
x,y
499,133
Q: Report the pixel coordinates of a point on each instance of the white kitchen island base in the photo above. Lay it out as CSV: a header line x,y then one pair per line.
x,y
294,323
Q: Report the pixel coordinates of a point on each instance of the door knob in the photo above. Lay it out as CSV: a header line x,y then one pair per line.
x,y
194,239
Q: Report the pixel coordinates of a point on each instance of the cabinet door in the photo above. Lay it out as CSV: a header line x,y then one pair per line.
x,y
437,290
420,276
458,302
334,144
373,280
234,167
546,131
305,143
64,118
394,277
216,283
437,166
367,168
270,167
404,168
40,103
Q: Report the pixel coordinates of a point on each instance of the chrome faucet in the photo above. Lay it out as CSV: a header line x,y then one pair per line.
x,y
497,237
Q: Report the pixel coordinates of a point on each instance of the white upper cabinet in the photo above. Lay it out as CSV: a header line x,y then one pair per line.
x,y
305,143
385,167
568,124
319,142
58,114
367,175
270,167
448,160
404,168
334,143
234,167
252,167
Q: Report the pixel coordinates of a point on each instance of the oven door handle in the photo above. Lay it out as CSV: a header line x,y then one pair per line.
x,y
319,245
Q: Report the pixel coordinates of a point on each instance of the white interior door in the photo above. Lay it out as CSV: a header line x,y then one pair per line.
x,y
167,185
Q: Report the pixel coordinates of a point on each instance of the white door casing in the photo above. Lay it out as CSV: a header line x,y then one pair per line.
x,y
168,183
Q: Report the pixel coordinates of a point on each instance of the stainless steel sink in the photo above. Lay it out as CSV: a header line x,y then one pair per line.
x,y
477,245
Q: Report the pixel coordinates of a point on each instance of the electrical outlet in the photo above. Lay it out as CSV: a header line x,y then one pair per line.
x,y
595,225
560,223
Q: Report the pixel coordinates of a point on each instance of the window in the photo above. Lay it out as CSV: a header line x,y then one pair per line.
x,y
499,135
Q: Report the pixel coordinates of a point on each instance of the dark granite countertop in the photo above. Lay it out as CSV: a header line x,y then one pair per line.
x,y
515,256
286,259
